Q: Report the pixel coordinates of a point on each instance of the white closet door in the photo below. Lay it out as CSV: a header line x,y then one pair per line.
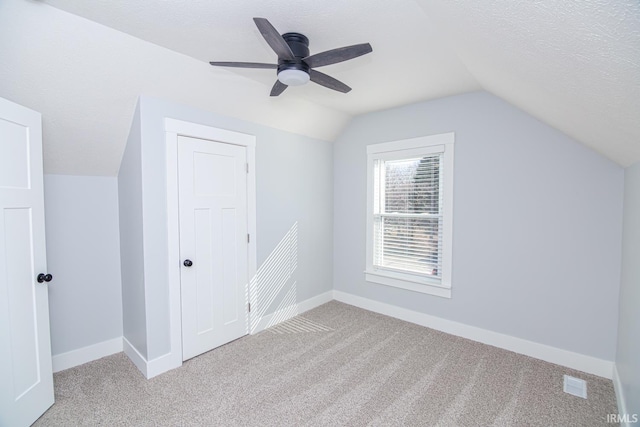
x,y
26,388
213,243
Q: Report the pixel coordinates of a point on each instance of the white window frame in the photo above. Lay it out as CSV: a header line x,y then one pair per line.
x,y
407,148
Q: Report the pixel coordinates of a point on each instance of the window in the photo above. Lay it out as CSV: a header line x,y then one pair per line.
x,y
409,214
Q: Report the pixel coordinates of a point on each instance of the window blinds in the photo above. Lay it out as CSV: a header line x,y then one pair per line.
x,y
408,215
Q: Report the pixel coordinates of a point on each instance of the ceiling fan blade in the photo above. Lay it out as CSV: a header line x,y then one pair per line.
x,y
244,65
328,81
340,54
278,88
275,40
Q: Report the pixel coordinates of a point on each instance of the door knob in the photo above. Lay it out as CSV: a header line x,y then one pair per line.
x,y
44,278
187,263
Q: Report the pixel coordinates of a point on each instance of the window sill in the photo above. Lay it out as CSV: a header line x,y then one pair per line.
x,y
385,279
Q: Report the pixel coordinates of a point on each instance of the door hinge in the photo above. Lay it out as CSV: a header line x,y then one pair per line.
x,y
247,167
248,238
249,307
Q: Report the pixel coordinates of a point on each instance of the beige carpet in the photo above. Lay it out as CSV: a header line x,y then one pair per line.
x,y
335,365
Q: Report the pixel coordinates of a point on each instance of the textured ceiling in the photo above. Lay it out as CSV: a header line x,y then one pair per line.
x,y
574,65
402,36
85,79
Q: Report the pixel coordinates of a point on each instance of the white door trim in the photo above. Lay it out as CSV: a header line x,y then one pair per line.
x,y
173,129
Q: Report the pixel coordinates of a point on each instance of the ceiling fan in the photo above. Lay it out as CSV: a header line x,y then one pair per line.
x,y
295,67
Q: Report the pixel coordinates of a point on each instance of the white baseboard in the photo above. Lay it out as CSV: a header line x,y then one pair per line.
x,y
581,362
622,403
134,355
153,367
162,364
157,366
86,354
314,302
281,315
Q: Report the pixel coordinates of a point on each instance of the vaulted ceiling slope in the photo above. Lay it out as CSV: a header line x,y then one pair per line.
x,y
85,79
573,65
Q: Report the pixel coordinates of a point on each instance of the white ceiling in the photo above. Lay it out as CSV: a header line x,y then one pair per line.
x,y
573,65
402,36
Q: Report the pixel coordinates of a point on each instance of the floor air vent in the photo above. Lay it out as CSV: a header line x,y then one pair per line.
x,y
575,386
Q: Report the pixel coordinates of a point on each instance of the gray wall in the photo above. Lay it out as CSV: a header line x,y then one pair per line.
x,y
294,191
131,253
537,223
628,355
81,215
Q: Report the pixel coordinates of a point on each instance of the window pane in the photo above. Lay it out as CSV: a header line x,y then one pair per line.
x,y
408,233
412,185
409,244
409,221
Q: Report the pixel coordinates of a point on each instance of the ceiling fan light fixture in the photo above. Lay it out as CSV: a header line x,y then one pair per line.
x,y
293,77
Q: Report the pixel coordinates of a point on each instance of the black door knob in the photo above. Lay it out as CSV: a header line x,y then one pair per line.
x,y
187,263
44,278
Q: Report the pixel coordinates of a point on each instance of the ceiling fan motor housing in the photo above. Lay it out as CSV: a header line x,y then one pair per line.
x,y
299,45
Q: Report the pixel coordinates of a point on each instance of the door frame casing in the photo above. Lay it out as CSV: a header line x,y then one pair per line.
x,y
173,129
